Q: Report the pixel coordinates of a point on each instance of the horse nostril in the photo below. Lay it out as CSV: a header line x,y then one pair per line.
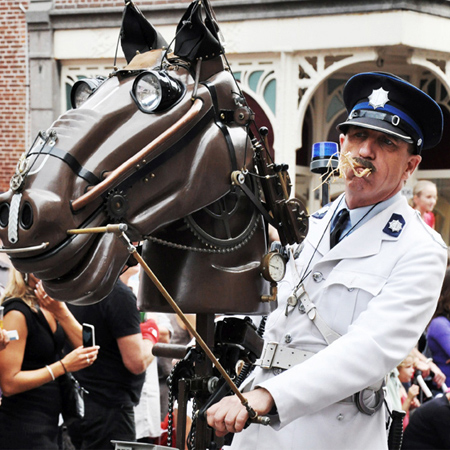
x,y
4,215
26,217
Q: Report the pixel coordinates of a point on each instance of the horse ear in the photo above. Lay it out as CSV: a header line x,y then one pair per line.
x,y
197,37
137,34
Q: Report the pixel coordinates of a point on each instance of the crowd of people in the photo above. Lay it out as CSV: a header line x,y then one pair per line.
x,y
119,375
357,296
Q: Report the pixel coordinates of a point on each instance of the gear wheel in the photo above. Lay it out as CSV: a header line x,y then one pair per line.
x,y
214,224
116,205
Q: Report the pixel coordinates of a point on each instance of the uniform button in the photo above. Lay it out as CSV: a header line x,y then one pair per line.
x,y
340,417
288,338
277,371
317,277
351,289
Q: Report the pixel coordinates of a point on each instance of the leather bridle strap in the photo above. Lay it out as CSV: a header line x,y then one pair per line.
x,y
223,128
74,165
175,148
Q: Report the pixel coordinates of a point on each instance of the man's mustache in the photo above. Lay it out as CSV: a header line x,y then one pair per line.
x,y
364,163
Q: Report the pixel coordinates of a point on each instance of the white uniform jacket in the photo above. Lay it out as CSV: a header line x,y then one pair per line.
x,y
378,288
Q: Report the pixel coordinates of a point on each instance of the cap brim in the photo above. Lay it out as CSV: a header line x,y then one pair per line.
x,y
377,125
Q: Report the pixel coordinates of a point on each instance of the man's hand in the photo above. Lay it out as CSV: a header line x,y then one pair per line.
x,y
230,416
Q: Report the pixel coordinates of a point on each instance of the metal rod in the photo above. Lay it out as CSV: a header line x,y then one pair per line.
x,y
184,319
107,229
118,231
24,249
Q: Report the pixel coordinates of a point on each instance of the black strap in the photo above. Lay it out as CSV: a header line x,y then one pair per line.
x,y
71,161
257,202
223,128
169,153
396,121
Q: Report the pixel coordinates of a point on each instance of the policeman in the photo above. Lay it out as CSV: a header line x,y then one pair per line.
x,y
356,298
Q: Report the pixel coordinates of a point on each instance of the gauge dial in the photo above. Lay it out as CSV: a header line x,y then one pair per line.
x,y
273,267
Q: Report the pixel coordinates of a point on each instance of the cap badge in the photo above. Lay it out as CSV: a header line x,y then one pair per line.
x,y
378,98
395,225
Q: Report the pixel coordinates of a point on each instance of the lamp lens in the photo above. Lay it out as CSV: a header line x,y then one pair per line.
x,y
148,92
83,91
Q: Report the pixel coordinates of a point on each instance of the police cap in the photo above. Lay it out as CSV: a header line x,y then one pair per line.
x,y
387,103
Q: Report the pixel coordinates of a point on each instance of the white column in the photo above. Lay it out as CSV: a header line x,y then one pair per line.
x,y
288,132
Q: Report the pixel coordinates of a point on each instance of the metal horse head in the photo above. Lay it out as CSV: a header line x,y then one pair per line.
x,y
152,146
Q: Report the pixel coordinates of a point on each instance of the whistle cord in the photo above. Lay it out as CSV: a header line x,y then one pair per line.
x,y
305,272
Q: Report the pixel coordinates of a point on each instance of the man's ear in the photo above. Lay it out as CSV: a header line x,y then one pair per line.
x,y
413,162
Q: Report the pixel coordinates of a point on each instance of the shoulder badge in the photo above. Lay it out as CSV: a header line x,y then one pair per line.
x,y
433,233
395,225
319,214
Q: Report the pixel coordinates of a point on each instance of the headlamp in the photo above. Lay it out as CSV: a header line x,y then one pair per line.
x,y
156,91
83,89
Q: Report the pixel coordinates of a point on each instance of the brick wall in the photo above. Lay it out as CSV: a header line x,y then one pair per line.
x,y
77,4
13,89
13,76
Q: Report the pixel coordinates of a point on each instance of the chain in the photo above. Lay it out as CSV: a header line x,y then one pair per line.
x,y
170,406
191,435
201,249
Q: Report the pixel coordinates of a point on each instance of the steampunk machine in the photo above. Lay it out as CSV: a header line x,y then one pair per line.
x,y
161,163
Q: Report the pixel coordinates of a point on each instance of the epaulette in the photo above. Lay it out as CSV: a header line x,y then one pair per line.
x,y
321,212
433,233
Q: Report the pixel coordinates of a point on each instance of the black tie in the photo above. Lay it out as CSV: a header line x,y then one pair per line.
x,y
339,227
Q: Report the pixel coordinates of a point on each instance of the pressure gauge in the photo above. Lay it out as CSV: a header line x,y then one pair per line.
x,y
273,267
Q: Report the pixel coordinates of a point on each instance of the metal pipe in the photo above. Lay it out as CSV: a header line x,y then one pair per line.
x,y
253,415
24,249
117,174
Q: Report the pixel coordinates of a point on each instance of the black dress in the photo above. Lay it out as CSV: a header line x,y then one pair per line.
x,y
30,420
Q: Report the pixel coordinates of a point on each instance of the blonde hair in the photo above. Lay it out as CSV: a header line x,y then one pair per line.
x,y
17,287
410,359
419,187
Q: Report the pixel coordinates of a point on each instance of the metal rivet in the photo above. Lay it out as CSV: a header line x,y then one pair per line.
x,y
317,277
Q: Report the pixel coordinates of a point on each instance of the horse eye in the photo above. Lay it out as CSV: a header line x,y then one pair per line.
x,y
83,89
156,91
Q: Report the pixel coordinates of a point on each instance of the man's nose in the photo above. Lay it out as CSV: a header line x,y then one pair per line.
x,y
367,149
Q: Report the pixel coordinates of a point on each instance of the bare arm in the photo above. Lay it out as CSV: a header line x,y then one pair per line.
x,y
14,380
136,352
4,339
425,365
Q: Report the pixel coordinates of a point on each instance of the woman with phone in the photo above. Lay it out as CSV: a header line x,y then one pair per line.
x,y
30,366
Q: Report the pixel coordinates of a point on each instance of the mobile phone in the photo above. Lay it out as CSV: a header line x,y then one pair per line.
x,y
13,335
88,335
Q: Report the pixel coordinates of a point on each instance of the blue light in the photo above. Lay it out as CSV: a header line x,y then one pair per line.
x,y
324,150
